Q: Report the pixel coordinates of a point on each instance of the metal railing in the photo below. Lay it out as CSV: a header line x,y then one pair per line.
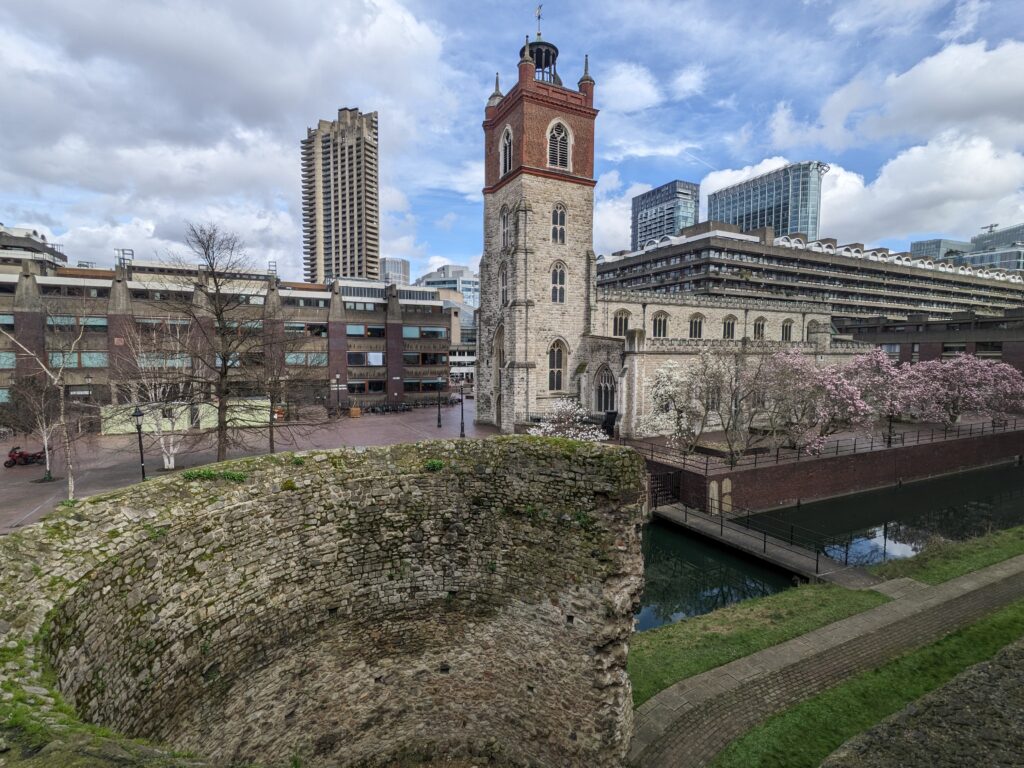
x,y
708,464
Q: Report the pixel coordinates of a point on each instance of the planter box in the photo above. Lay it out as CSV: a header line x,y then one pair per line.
x,y
355,412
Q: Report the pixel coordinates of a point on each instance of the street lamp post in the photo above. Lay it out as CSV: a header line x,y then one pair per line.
x,y
337,395
462,409
440,384
138,416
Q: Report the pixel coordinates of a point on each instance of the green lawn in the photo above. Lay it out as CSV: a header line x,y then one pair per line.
x,y
660,657
944,560
807,733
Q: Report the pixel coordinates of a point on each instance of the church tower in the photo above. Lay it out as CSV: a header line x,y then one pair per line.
x,y
537,272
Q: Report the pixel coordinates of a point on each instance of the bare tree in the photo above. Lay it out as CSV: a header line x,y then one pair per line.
x,y
33,409
52,367
156,371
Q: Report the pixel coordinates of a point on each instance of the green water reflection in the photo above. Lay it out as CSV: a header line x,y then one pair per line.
x,y
687,576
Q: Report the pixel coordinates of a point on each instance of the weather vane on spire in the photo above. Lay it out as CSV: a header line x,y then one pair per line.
x,y
539,16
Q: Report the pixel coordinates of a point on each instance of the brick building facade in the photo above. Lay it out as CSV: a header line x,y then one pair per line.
x,y
355,341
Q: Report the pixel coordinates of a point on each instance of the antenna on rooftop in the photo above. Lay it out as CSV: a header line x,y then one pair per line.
x,y
990,227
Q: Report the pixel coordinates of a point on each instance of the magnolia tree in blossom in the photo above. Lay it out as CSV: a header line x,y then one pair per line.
x,y
944,390
786,399
804,403
885,386
685,399
569,419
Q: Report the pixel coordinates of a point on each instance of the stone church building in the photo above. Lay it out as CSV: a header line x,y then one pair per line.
x,y
545,332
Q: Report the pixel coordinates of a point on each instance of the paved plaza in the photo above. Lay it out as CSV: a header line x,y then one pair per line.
x,y
106,463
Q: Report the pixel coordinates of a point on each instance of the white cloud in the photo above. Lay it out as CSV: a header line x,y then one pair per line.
x,y
965,19
882,17
968,88
953,184
613,212
716,180
446,222
628,87
689,81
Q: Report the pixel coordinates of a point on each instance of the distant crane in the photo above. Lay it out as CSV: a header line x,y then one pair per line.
x,y
990,227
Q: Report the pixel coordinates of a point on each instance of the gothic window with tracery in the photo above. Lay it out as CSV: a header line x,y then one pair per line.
x,y
558,146
787,330
620,323
697,326
558,284
729,327
558,224
604,391
503,284
759,326
506,228
557,355
506,151
660,325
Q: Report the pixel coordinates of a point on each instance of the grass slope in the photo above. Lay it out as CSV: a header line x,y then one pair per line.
x,y
660,657
944,560
807,733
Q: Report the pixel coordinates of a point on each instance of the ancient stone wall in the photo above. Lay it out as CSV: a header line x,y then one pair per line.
x,y
349,607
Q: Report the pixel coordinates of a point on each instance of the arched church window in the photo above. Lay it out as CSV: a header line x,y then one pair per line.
x,y
558,224
729,327
696,326
620,323
503,284
660,325
759,326
558,284
557,355
787,330
558,146
506,151
604,391
506,228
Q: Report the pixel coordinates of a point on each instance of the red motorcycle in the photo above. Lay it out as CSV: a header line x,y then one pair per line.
x,y
18,456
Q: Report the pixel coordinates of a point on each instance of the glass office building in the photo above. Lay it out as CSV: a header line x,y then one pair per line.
x,y
663,211
940,249
787,199
999,238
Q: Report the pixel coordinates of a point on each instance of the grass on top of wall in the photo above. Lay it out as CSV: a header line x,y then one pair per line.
x,y
942,560
663,656
807,733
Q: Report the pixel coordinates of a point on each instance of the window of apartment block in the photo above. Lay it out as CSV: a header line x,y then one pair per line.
x,y
7,323
7,360
915,352
94,359
989,349
94,324
953,349
355,330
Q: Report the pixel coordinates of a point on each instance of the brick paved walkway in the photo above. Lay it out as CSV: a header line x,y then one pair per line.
x,y
692,721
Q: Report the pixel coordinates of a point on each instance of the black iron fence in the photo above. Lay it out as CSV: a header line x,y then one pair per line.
x,y
663,488
710,464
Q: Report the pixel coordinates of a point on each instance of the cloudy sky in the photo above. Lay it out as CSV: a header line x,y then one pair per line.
x,y
123,120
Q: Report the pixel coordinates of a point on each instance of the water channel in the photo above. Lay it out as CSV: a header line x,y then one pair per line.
x,y
687,575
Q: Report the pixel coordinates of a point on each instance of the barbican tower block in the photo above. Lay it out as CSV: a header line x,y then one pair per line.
x,y
537,272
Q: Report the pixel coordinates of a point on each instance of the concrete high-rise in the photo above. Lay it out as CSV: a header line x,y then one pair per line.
x,y
787,199
664,211
340,198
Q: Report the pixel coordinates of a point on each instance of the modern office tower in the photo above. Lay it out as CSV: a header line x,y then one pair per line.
x,y
663,211
455,278
940,249
787,199
394,271
340,198
999,238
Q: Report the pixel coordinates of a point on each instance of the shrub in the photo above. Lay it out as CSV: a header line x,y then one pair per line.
x,y
433,465
288,485
215,474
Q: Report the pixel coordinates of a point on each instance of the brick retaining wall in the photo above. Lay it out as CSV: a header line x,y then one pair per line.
x,y
778,485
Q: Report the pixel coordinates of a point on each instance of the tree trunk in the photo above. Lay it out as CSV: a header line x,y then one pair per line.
x,y
271,425
67,439
222,424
